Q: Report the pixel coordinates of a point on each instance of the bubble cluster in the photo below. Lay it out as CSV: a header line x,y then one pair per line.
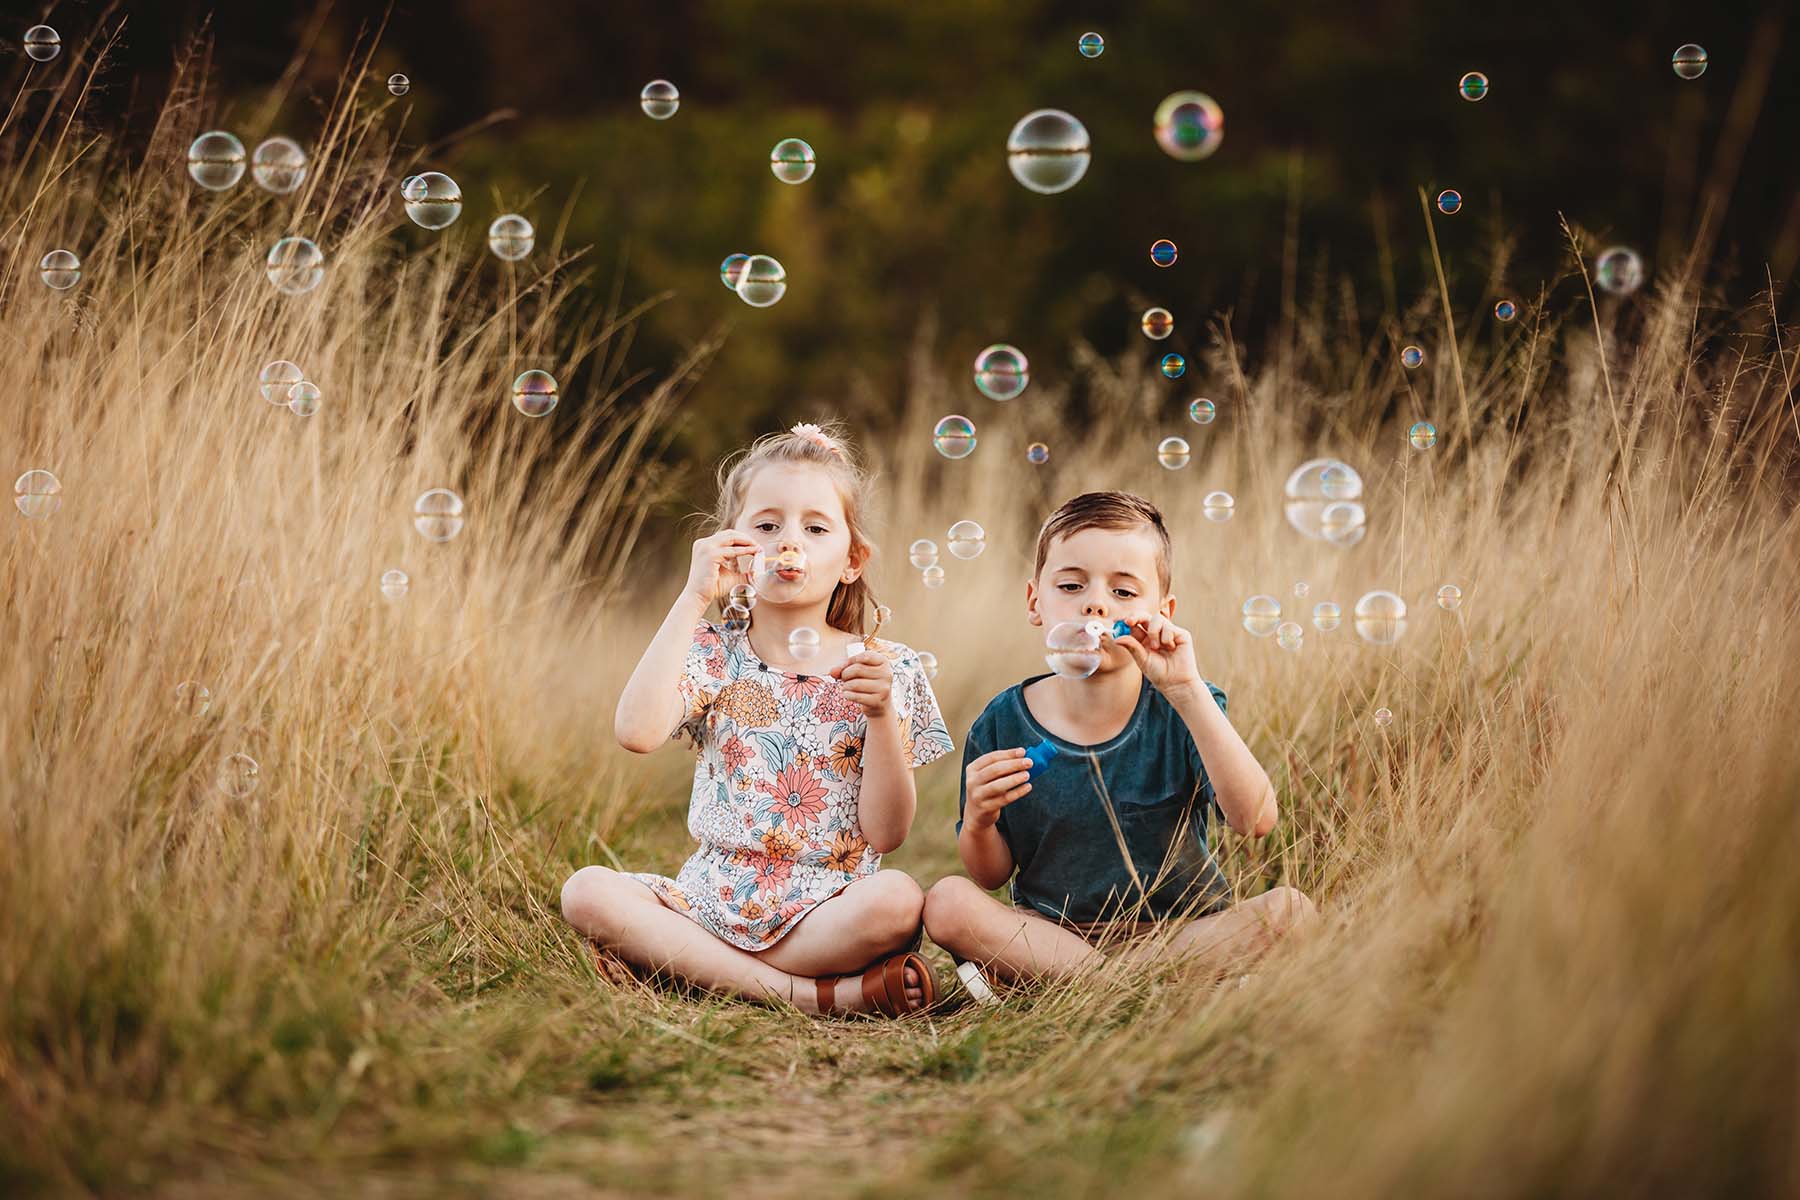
x,y
295,266
922,553
762,281
1412,357
1449,597
1163,252
928,663
60,270
1157,323
1619,270
304,397
277,379
743,595
1072,649
438,514
659,99
216,160
1173,453
731,269
954,437
432,199
1473,86
1449,201
1037,454
1327,616
43,43
1001,371
1344,523
238,776
1289,635
1048,151
511,237
37,494
1091,45
534,392
1173,366
1505,310
394,583
1202,412
192,698
1422,435
1380,618
1189,125
279,165
966,539
1262,614
1689,61
399,84
1218,506
1322,500
792,160
804,643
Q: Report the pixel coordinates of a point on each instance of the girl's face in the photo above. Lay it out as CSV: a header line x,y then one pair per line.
x,y
797,505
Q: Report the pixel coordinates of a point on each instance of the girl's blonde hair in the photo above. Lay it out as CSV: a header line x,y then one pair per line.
x,y
827,448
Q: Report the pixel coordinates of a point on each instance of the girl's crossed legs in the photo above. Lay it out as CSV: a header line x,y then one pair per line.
x,y
875,916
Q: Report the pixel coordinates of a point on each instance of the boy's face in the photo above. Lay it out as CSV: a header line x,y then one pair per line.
x,y
1100,574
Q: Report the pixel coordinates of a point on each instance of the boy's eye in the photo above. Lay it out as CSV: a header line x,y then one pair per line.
x,y
1068,587
1124,593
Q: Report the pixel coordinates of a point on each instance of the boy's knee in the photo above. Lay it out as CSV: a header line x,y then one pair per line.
x,y
584,897
898,904
946,909
1290,909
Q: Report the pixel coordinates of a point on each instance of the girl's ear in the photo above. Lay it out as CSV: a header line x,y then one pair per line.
x,y
1031,603
859,558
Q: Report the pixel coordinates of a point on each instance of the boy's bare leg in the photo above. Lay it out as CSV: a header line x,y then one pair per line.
x,y
1012,943
1231,938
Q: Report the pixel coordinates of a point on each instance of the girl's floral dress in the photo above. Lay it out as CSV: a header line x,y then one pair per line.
x,y
774,805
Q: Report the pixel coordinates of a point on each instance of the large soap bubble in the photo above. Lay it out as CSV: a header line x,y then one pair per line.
x,y
60,269
1262,613
277,379
511,237
762,281
967,539
43,43
1619,270
534,392
922,553
295,266
37,494
792,161
438,514
1689,61
238,776
1313,487
433,200
399,84
1189,125
954,437
779,573
1001,371
304,397
1072,648
659,99
1380,618
279,165
1048,151
216,160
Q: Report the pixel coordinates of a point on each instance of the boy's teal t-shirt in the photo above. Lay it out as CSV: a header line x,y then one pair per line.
x,y
1070,865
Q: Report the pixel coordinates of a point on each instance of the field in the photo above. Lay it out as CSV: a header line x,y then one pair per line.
x,y
1560,951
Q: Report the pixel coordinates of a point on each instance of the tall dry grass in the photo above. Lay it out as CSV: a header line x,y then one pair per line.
x,y
1562,942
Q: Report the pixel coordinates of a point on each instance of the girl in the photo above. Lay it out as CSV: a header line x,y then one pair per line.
x,y
807,733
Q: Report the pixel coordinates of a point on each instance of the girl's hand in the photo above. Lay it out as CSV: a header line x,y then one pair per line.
x,y
1164,652
992,782
715,554
868,679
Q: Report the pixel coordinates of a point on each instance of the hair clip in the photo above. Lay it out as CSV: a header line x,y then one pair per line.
x,y
817,437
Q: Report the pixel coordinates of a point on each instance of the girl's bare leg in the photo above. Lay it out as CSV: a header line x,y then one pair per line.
x,y
874,917
1012,942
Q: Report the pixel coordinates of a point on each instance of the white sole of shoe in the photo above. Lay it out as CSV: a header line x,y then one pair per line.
x,y
975,983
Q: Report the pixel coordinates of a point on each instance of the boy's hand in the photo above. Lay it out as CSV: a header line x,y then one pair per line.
x,y
992,782
868,679
1164,652
715,554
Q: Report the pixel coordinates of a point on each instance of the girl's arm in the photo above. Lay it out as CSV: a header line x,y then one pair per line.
x,y
650,707
887,802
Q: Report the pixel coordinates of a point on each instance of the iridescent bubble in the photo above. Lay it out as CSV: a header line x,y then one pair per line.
x,y
1037,454
1302,589
1091,45
192,698
1314,486
438,514
1261,615
1473,86
37,493
1048,151
1383,717
394,583
1344,523
1072,649
1339,481
1327,616
238,776
732,269
432,199
1380,618
659,99
511,237
304,397
1218,506
1001,371
954,437
277,379
295,266
1189,125
932,576
279,165
792,161
762,281
1449,201
883,616
1202,412
737,618
804,643
923,553
1157,323
1412,357
1174,366
1289,635
967,539
1163,252
1423,435
60,269
1449,597
216,160
43,43
780,573
534,392
1173,453
1689,61
1505,310
928,663
743,595
399,84
1619,270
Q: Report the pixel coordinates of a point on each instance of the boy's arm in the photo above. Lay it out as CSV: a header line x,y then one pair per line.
x,y
984,855
990,782
1240,784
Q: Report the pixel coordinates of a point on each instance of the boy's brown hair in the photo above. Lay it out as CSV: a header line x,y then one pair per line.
x,y
1107,510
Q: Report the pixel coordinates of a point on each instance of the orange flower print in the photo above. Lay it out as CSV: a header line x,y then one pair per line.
x,y
798,794
749,703
752,911
736,753
846,755
846,852
779,843
772,876
802,686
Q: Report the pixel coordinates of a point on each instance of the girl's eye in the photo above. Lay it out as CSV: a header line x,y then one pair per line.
x,y
820,530
765,526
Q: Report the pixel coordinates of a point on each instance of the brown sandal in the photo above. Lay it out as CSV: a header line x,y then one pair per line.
x,y
884,986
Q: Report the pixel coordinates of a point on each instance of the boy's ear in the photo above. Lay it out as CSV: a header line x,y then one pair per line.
x,y
1168,607
1032,614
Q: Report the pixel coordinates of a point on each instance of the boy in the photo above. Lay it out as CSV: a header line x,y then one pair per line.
x,y
1146,726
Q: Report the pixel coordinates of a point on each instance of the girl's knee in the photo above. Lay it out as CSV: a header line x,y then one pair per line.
x,y
899,903
584,896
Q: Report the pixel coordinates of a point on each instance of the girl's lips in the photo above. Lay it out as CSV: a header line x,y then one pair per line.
x,y
790,575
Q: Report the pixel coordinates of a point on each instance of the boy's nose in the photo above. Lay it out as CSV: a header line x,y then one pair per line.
x,y
1094,608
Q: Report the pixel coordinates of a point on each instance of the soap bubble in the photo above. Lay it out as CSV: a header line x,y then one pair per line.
x,y
1173,453
1001,371
1289,635
792,161
1473,86
1072,649
1157,323
1449,597
511,237
737,618
1412,357
932,576
1261,615
438,514
1505,310
1314,486
1383,717
732,269
804,642
534,393
967,539
1202,412
238,776
1344,523
1423,435
433,201
1048,151
883,616
394,583
1189,125
276,380
43,43
192,698
216,160
743,595
1091,45
922,553
954,437
60,269
779,572
37,493
762,281
1163,252
1380,618
1689,61
1619,270
1302,589
304,397
1449,201
1174,366
928,663
295,266
1037,454
659,99
1339,481
279,165
399,84
1327,616
1218,506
